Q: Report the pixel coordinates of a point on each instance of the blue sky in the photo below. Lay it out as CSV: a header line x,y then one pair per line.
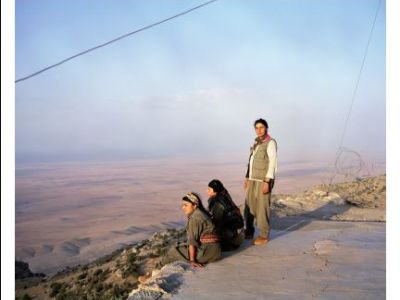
x,y
197,83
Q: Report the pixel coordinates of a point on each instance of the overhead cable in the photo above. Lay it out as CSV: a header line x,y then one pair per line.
x,y
113,41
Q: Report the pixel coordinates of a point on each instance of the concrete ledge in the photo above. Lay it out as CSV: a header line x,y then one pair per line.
x,y
320,260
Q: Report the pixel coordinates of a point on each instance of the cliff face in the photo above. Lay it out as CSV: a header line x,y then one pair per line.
x,y
115,276
22,271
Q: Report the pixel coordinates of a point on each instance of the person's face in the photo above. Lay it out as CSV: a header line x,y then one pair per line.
x,y
260,129
188,208
210,192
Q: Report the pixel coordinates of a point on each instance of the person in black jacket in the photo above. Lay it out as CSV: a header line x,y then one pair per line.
x,y
225,215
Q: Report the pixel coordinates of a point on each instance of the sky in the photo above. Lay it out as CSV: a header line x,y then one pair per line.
x,y
196,84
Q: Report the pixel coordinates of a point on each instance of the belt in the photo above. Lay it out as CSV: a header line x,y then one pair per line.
x,y
209,238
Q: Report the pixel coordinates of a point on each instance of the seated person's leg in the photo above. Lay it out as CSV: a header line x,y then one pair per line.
x,y
175,253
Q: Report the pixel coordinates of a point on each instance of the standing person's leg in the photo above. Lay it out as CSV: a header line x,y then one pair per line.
x,y
267,208
248,216
261,211
263,214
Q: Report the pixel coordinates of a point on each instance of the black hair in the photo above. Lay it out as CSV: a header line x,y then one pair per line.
x,y
262,121
216,185
222,194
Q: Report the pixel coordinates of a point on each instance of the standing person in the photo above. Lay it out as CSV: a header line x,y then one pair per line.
x,y
259,182
225,216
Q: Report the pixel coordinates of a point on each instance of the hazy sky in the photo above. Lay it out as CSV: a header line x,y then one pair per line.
x,y
197,83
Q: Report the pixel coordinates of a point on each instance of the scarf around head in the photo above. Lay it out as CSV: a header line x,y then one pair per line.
x,y
189,197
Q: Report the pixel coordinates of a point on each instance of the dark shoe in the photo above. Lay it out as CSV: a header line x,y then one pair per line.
x,y
248,236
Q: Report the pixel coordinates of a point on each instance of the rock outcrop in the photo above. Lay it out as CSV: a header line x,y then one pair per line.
x,y
162,283
359,200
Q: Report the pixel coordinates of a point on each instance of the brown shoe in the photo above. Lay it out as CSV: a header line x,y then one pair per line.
x,y
144,278
260,240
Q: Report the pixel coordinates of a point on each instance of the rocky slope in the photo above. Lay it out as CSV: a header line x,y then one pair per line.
x,y
363,199
111,277
115,276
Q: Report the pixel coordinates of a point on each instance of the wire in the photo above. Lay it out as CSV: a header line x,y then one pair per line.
x,y
340,150
113,41
359,76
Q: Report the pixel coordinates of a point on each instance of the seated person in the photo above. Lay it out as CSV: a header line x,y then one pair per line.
x,y
202,240
225,215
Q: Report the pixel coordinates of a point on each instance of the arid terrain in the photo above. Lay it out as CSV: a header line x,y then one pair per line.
x,y
73,213
334,227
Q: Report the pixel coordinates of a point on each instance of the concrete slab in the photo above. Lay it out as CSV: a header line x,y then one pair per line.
x,y
317,260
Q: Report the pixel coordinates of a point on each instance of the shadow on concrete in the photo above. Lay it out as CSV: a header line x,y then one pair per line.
x,y
283,225
287,224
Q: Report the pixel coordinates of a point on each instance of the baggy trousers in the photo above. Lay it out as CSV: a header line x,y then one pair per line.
x,y
180,252
258,206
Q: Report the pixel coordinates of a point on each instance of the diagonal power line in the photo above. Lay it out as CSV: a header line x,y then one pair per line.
x,y
341,150
359,75
113,41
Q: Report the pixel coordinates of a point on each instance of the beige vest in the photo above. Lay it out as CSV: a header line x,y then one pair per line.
x,y
260,161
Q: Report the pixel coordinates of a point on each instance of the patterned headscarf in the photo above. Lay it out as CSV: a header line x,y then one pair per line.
x,y
192,198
